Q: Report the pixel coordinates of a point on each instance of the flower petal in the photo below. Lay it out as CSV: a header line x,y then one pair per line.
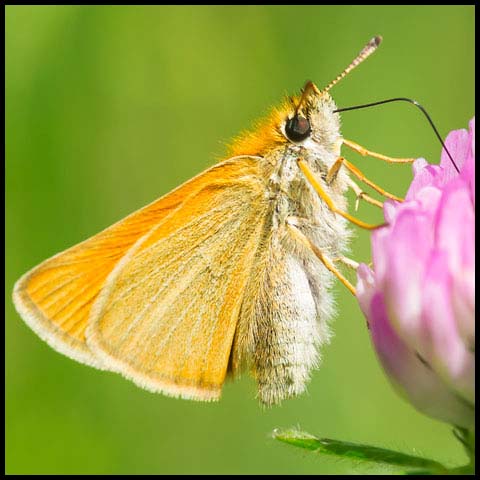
x,y
468,170
458,145
424,175
419,300
455,226
463,301
406,251
440,342
411,377
365,288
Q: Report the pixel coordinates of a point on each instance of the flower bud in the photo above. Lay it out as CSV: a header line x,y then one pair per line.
x,y
419,298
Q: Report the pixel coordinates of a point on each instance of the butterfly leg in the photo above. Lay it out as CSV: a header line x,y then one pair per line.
x,y
319,254
347,261
324,196
332,173
361,195
365,152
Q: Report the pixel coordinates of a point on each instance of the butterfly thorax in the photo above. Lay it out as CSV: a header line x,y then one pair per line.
x,y
281,327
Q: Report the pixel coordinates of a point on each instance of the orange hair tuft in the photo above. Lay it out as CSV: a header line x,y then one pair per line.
x,y
265,133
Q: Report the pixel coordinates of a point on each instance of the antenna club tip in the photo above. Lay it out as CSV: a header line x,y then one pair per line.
x,y
376,40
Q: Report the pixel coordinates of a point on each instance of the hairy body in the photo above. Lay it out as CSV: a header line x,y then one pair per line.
x,y
209,280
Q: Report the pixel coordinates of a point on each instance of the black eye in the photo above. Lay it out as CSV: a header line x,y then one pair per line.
x,y
297,128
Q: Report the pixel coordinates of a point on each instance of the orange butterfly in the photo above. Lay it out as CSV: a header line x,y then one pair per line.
x,y
220,275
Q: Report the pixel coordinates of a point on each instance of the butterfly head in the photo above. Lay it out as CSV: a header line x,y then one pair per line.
x,y
307,119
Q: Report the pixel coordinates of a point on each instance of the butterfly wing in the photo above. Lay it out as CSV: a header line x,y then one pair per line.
x,y
56,297
167,315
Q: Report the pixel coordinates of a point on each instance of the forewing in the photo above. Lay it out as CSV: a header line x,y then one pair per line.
x,y
56,297
168,312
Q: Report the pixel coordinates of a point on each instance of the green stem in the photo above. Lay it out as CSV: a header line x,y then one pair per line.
x,y
359,452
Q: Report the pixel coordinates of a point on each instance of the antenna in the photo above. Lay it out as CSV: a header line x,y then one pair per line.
x,y
413,102
369,48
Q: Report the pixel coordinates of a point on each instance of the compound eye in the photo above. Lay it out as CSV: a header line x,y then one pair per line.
x,y
297,128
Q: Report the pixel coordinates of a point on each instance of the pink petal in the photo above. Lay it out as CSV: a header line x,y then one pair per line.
x,y
406,252
365,288
468,170
440,342
455,226
463,303
424,175
411,376
458,145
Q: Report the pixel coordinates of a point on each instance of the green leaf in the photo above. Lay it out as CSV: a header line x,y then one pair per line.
x,y
358,452
467,438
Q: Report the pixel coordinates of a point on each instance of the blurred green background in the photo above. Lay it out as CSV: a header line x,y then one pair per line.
x,y
107,108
